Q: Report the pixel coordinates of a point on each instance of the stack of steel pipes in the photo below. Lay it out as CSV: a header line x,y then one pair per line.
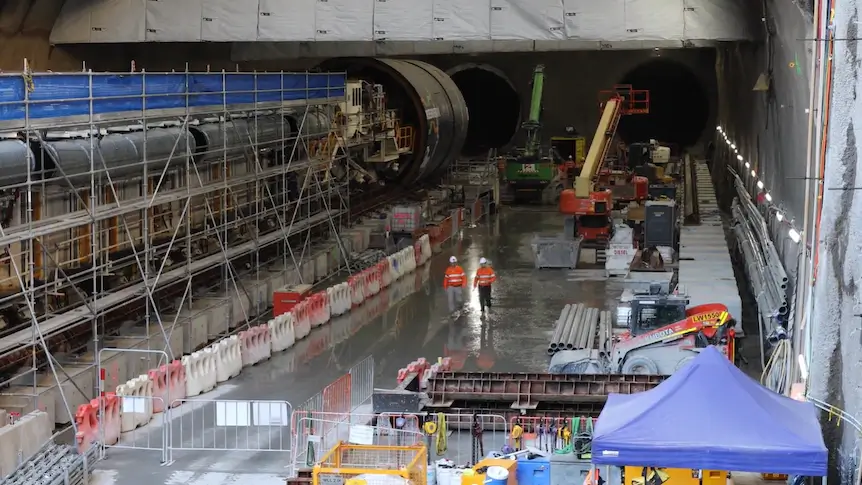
x,y
763,267
580,327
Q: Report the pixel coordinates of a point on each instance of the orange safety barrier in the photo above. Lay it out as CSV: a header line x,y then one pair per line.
x,y
87,419
336,396
168,387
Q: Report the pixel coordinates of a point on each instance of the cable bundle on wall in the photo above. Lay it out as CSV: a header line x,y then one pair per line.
x,y
763,267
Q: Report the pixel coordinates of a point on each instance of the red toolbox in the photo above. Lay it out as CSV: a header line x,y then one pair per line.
x,y
284,299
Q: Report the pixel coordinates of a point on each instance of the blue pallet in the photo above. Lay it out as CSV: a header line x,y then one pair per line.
x,y
63,95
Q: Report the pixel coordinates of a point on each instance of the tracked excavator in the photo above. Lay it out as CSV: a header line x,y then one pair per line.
x,y
533,172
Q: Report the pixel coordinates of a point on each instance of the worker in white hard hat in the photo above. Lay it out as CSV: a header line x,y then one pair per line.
x,y
453,282
485,277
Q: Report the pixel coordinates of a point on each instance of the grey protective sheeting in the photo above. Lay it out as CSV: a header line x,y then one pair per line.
x,y
108,21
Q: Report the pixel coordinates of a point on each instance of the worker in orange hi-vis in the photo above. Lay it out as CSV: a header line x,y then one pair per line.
x,y
485,277
453,282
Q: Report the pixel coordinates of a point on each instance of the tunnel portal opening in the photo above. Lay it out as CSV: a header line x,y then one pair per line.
x,y
493,105
679,104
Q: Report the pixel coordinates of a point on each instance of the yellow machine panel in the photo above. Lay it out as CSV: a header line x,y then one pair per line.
x,y
634,475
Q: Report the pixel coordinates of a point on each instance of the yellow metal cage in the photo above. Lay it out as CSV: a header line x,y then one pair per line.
x,y
348,464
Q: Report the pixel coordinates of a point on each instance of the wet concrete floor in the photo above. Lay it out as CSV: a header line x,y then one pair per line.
x,y
513,337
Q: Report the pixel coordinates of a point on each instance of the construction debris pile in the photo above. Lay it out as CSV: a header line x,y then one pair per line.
x,y
581,328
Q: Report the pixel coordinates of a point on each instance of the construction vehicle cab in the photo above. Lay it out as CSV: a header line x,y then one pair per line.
x,y
651,311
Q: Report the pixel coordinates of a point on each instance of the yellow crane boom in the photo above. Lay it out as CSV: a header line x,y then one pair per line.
x,y
599,147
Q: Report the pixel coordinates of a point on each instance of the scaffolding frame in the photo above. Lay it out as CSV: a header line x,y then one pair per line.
x,y
218,199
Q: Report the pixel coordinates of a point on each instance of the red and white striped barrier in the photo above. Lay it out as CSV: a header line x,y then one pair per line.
x,y
168,385
255,345
201,373
319,304
357,290
137,403
303,319
282,330
385,273
228,358
372,280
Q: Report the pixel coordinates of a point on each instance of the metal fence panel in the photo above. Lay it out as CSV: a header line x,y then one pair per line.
x,y
317,433
362,383
231,425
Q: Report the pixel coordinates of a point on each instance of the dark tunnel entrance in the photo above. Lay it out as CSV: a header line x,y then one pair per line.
x,y
493,104
679,104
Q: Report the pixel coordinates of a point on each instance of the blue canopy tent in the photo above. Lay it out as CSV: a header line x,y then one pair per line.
x,y
711,416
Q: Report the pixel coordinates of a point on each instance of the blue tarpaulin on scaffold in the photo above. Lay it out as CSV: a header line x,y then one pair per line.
x,y
57,95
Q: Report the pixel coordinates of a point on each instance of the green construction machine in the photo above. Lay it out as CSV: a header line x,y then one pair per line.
x,y
534,172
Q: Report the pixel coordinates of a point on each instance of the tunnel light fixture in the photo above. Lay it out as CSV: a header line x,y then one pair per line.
x,y
794,235
753,173
718,128
733,146
747,165
760,184
778,215
769,199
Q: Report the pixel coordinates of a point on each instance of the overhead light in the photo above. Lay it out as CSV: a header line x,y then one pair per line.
x,y
753,173
747,165
719,128
778,215
739,157
803,367
733,146
795,236
760,184
769,199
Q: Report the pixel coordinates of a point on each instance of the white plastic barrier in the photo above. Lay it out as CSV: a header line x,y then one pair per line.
x,y
394,267
201,371
410,259
283,333
255,344
339,299
137,399
228,358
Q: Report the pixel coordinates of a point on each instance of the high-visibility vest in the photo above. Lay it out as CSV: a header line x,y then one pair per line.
x,y
454,276
485,276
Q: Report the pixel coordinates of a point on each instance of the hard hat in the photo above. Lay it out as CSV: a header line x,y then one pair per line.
x,y
453,260
483,261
